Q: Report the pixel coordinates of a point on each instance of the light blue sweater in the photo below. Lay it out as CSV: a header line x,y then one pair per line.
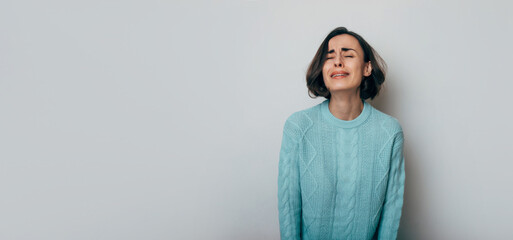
x,y
340,179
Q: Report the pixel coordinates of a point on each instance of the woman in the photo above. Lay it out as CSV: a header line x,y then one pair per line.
x,y
341,168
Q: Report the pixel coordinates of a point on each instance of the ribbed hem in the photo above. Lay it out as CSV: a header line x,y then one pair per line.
x,y
328,116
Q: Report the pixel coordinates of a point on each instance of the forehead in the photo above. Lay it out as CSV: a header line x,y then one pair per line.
x,y
344,41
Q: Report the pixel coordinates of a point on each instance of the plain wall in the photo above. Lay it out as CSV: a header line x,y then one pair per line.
x,y
163,120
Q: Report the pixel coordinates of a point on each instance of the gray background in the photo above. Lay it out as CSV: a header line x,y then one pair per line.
x,y
163,120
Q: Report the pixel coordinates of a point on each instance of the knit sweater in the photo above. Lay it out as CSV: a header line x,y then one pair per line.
x,y
340,179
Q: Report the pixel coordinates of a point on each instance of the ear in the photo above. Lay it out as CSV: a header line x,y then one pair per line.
x,y
367,69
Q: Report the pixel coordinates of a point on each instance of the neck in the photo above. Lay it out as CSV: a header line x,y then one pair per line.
x,y
345,107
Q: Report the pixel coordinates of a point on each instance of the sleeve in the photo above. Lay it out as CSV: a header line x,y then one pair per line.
x,y
289,191
392,208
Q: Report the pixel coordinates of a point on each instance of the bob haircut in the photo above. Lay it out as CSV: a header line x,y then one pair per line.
x,y
370,85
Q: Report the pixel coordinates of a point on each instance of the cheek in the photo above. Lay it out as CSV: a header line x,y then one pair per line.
x,y
325,70
354,67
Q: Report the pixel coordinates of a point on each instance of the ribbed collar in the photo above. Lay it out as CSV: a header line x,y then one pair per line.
x,y
328,116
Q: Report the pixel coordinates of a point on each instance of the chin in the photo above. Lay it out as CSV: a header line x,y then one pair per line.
x,y
343,88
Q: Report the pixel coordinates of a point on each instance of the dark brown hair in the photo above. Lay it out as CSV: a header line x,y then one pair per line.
x,y
370,85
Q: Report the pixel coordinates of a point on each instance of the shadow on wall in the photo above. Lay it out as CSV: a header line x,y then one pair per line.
x,y
411,221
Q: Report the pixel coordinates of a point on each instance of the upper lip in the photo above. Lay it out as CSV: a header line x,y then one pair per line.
x,y
338,72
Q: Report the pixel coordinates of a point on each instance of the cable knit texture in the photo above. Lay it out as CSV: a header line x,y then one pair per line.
x,y
340,179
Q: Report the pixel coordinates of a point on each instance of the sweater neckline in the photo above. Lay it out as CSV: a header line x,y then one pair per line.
x,y
344,123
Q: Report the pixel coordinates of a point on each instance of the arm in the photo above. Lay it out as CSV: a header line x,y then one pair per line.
x,y
392,208
289,191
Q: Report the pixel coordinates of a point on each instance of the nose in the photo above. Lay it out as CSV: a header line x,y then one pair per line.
x,y
338,61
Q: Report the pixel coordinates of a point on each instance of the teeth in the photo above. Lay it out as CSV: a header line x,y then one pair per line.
x,y
336,75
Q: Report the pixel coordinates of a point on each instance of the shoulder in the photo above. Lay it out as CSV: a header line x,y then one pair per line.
x,y
387,122
302,120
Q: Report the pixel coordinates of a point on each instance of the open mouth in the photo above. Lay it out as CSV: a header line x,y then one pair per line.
x,y
339,74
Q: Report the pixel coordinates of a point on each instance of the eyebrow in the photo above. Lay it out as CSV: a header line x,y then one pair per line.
x,y
343,49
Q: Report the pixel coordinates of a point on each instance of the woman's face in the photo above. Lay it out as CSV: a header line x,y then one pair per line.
x,y
344,67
